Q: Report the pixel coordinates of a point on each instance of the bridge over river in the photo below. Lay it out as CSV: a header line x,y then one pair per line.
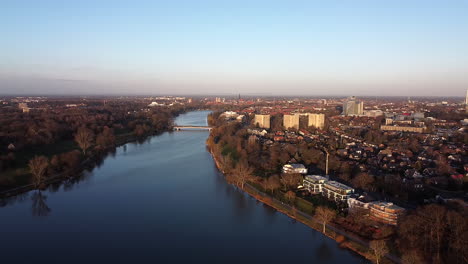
x,y
177,128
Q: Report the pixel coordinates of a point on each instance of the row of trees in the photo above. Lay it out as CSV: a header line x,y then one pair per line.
x,y
94,129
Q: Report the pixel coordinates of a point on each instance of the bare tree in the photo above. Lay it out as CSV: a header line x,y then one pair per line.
x,y
84,138
324,215
379,247
411,257
38,166
242,173
291,180
363,181
272,183
290,195
39,205
226,163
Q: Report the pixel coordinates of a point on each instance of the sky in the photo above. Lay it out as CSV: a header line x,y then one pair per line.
x,y
373,48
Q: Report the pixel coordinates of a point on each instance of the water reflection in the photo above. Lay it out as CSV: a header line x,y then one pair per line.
x,y
8,201
323,252
39,205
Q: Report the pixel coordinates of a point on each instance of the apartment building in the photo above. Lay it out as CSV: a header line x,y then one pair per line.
x,y
385,212
336,191
314,183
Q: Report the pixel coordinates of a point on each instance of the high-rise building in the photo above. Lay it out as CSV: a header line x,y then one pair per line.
x,y
353,107
263,121
466,98
291,121
317,120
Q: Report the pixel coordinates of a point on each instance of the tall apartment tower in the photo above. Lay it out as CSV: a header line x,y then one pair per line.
x,y
466,98
263,121
353,107
317,120
291,121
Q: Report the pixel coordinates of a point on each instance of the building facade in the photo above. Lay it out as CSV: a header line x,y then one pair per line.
x,y
291,121
353,107
263,121
336,191
355,204
314,183
317,120
404,129
385,212
294,168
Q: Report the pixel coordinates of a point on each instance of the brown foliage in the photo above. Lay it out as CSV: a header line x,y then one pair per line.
x,y
291,180
380,249
37,167
84,138
324,215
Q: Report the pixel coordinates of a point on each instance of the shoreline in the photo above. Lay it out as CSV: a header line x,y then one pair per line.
x,y
343,239
65,175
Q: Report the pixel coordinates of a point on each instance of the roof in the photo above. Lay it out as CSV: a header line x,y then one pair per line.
x,y
295,165
339,185
386,205
315,178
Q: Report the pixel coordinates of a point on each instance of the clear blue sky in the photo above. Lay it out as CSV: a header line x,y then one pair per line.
x,y
229,47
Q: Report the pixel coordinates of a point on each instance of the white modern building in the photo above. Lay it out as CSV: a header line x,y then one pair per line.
x,y
294,168
336,191
314,183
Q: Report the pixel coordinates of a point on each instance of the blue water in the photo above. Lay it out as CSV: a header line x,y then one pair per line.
x,y
160,201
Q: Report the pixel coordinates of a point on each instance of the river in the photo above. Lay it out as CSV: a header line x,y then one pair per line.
x,y
160,201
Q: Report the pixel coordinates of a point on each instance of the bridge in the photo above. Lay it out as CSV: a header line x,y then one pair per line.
x,y
178,128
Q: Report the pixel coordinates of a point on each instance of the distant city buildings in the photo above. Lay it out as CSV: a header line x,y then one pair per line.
x,y
466,98
373,113
403,128
317,120
353,107
262,121
24,107
291,121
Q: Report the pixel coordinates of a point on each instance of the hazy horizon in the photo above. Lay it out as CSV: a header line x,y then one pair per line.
x,y
269,48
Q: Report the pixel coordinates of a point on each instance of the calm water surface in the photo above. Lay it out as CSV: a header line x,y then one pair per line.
x,y
161,201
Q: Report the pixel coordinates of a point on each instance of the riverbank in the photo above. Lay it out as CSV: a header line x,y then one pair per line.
x,y
71,174
343,238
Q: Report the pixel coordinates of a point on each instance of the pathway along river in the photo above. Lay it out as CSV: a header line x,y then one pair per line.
x,y
160,201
